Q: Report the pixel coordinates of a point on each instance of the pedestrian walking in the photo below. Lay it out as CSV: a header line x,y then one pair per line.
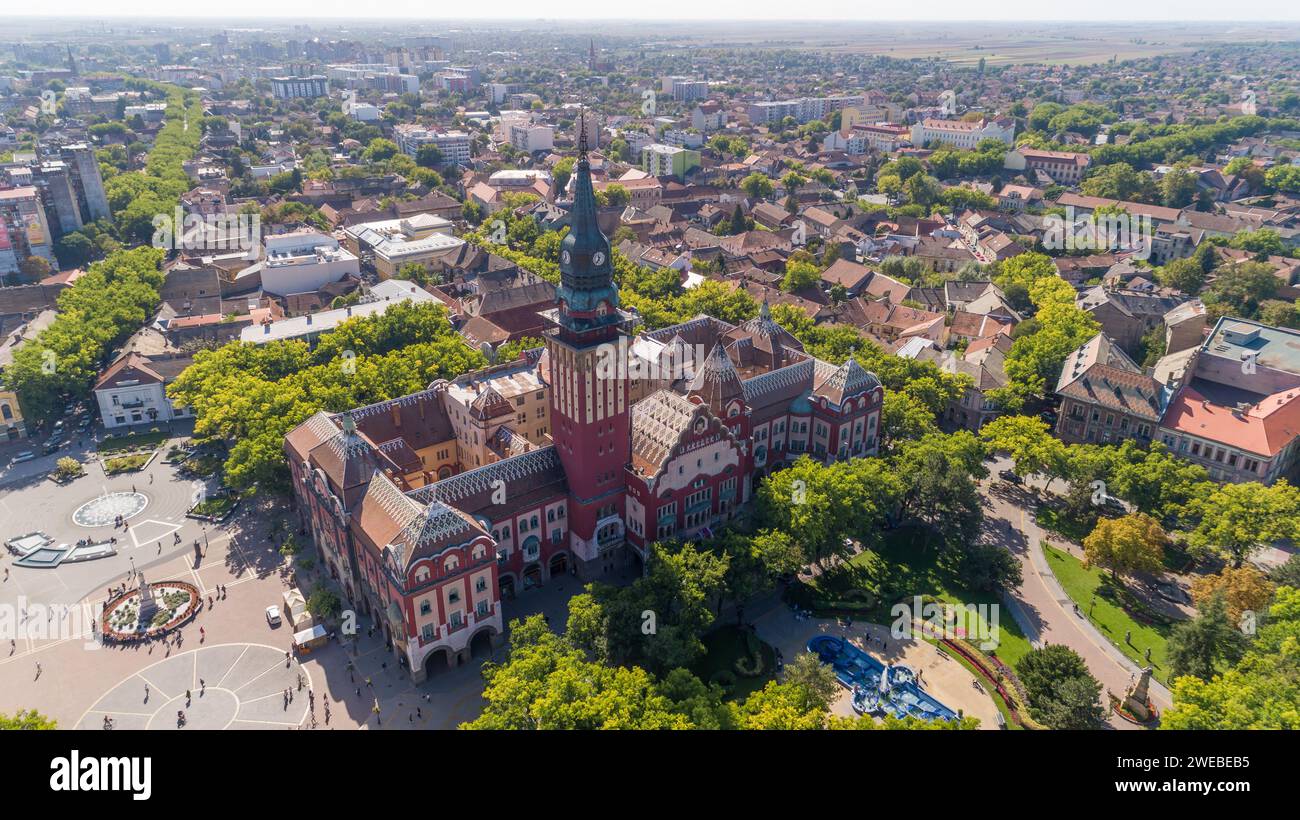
x,y
38,670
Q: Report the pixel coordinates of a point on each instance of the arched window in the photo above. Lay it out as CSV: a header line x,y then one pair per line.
x,y
451,563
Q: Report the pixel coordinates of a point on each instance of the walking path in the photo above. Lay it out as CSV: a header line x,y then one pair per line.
x,y
1045,612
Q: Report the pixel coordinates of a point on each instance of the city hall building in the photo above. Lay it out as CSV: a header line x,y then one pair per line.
x,y
432,509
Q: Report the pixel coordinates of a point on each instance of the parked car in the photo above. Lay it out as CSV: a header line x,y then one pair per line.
x,y
53,446
273,615
1010,477
25,455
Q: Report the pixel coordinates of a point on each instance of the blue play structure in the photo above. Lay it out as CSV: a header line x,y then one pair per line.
x,y
877,688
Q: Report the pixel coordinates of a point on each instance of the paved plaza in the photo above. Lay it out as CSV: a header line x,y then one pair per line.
x,y
52,663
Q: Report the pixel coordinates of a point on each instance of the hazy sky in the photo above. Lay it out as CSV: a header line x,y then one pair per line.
x,y
1094,11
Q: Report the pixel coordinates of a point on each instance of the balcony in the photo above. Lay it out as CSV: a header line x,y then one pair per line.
x,y
700,506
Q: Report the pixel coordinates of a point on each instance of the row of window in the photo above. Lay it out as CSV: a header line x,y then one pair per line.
x,y
455,621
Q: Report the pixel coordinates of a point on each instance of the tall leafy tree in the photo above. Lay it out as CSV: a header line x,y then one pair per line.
x,y
1200,646
1127,545
1258,692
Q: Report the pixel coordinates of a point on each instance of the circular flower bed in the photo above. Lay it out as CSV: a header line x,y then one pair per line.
x,y
177,602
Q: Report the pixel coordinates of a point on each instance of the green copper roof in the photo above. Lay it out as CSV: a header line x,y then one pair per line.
x,y
586,270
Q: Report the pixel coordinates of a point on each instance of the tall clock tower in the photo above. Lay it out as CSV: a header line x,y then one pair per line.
x,y
589,397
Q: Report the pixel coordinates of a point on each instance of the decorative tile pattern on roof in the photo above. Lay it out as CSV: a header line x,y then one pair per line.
x,y
775,380
418,524
479,480
385,406
848,379
658,422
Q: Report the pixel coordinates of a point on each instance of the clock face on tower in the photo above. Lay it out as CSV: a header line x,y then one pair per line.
x,y
598,258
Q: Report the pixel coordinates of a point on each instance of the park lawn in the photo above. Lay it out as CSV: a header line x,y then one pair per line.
x,y
723,647
904,565
1108,615
125,464
134,441
216,506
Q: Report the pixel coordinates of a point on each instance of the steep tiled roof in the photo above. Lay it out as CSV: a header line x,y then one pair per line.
x,y
1133,393
658,423
1265,428
716,380
849,379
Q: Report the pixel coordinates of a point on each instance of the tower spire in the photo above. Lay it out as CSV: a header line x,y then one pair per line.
x,y
582,133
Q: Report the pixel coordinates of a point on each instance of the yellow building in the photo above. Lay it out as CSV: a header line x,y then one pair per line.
x,y
11,417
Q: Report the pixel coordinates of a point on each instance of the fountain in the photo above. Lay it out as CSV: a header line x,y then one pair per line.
x,y
108,508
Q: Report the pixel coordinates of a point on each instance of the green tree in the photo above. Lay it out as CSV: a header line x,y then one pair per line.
x,y
1200,646
1120,181
428,156
799,275
1239,288
1260,691
1126,545
782,706
1062,693
26,719
757,186
1030,444
548,684
1239,519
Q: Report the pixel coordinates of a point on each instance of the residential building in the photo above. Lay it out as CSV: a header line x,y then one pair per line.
x,y
531,137
662,160
303,261
1237,409
24,231
1106,398
1062,167
133,389
454,145
804,109
294,88
1126,316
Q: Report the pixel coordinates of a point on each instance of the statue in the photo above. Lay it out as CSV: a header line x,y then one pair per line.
x,y
1137,701
148,606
